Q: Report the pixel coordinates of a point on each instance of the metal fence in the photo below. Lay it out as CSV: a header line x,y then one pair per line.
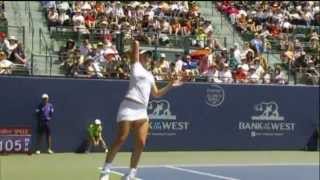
x,y
42,64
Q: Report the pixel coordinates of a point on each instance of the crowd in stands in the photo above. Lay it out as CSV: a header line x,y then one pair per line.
x,y
157,21
279,21
211,62
147,21
272,16
12,56
102,60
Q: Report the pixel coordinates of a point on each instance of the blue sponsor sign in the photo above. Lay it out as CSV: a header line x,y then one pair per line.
x,y
196,116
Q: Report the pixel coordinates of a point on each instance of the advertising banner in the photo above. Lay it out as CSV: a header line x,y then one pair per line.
x,y
195,116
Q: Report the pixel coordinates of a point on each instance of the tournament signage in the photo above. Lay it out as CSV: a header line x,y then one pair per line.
x,y
195,116
267,121
15,139
162,121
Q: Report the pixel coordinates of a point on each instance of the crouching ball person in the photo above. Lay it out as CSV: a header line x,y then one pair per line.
x,y
95,136
132,114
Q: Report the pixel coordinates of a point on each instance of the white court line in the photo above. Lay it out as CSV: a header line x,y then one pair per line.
x,y
221,165
121,174
201,173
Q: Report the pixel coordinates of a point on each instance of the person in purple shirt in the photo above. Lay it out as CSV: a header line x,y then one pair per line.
x,y
44,115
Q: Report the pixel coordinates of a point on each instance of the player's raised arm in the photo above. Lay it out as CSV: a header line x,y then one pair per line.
x,y
156,92
135,47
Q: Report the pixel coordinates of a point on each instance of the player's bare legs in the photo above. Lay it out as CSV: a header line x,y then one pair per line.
x,y
140,132
121,137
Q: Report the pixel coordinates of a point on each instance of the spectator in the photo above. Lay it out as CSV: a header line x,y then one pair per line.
x,y
175,27
44,113
280,77
118,11
95,137
225,74
233,63
267,76
213,74
253,76
173,73
186,27
85,47
163,64
18,56
240,75
237,53
79,23
201,37
312,76
67,51
189,63
90,19
246,49
13,43
3,42
53,17
288,56
63,18
260,65
6,66
314,40
257,44
91,70
178,63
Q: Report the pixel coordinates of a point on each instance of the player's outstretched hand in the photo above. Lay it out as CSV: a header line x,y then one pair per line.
x,y
176,81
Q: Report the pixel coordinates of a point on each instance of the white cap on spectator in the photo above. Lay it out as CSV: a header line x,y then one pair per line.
x,y
309,61
97,121
45,96
12,38
134,4
162,55
90,58
242,12
298,7
146,4
108,44
143,51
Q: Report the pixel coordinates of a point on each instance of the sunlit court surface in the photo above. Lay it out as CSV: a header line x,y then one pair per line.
x,y
216,165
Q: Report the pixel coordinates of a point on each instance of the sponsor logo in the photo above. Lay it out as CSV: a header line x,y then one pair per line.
x,y
214,96
162,121
267,121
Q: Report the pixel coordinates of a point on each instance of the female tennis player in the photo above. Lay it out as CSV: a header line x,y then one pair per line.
x,y
132,114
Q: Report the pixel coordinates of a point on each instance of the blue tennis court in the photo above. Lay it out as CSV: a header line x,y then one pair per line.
x,y
228,172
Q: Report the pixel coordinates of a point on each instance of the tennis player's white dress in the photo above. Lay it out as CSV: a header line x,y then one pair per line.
x,y
134,106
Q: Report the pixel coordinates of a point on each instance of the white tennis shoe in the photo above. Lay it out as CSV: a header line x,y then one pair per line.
x,y
105,174
128,177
